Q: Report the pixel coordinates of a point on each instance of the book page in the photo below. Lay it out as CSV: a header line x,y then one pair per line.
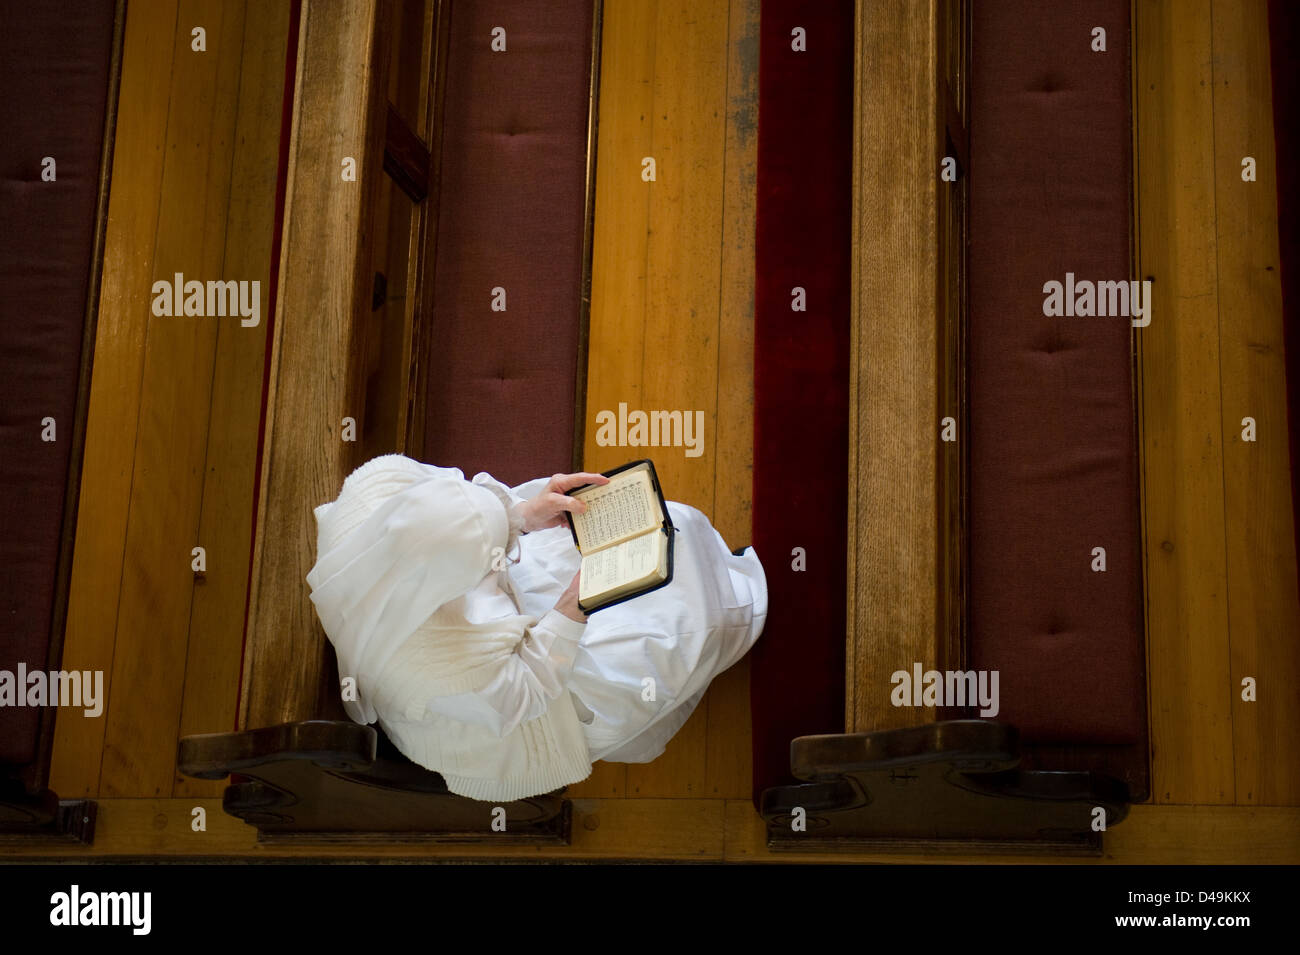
x,y
617,567
623,508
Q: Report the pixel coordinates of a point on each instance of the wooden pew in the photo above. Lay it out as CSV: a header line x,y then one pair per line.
x,y
358,335
929,779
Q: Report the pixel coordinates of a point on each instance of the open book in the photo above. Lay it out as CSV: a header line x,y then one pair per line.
x,y
625,537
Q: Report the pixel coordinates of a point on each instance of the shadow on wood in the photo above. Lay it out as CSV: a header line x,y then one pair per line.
x,y
947,786
334,781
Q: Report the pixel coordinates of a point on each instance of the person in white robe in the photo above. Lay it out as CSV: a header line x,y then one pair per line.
x,y
452,607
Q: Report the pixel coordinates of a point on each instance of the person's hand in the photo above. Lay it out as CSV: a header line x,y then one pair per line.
x,y
568,602
547,508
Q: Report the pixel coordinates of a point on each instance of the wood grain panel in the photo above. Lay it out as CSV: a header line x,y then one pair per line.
x,y
728,767
1263,605
114,399
115,383
621,237
1182,447
179,351
225,525
700,830
683,268
619,246
894,517
318,344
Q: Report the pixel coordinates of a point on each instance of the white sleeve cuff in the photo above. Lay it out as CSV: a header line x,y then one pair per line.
x,y
510,501
560,625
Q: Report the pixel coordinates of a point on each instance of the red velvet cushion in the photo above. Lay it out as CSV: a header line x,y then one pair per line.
x,y
801,375
1052,434
54,71
511,214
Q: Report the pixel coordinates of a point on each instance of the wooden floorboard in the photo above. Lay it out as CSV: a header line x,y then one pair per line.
x,y
620,242
1263,603
672,306
683,266
729,756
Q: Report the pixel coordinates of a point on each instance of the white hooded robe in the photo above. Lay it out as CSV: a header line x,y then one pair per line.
x,y
470,670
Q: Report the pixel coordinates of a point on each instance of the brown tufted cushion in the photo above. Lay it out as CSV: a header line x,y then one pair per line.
x,y
511,214
54,57
1052,435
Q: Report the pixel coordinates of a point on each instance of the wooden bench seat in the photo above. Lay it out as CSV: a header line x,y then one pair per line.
x,y
991,448
507,162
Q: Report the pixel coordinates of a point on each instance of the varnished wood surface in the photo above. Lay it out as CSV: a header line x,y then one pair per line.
x,y
175,400
217,614
1182,459
1220,557
671,324
894,517
1205,633
114,409
175,403
318,349
691,830
727,768
1263,604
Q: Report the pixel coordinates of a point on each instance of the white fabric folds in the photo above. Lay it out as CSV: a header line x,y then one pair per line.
x,y
380,571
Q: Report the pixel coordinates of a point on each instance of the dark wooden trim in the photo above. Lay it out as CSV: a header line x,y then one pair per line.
x,y
952,211
952,786
41,818
405,157
422,316
1141,786
35,775
588,236
324,781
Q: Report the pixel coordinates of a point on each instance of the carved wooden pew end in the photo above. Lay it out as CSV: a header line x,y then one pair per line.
x,y
942,787
29,819
325,781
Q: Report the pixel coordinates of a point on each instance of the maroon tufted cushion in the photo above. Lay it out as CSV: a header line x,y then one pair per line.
x,y
54,57
1053,447
511,214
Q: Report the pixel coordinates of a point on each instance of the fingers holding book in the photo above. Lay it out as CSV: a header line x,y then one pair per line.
x,y
548,508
